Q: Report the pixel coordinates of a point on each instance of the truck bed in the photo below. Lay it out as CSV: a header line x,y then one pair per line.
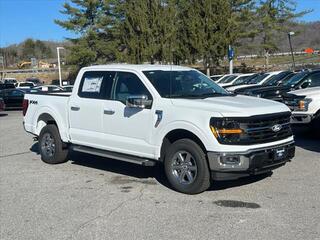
x,y
53,104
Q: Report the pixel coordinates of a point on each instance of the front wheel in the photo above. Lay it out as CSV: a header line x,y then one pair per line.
x,y
51,147
186,167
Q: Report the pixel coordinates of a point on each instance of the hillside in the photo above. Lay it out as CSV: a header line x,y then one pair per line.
x,y
306,35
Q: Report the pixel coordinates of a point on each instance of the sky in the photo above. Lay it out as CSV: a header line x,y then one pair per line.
x,y
21,19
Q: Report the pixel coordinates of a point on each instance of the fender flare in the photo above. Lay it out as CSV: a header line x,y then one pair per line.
x,y
181,125
45,114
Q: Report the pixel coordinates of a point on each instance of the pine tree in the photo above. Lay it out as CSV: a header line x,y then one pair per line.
x,y
274,17
92,20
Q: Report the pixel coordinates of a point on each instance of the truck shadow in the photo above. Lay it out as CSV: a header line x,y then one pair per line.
x,y
306,139
143,173
156,172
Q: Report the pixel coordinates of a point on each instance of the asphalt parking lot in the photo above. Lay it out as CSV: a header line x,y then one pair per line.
x,y
94,198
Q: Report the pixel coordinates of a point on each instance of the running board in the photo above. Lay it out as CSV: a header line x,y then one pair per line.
x,y
114,155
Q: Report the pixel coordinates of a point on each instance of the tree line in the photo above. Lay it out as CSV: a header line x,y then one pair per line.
x,y
171,31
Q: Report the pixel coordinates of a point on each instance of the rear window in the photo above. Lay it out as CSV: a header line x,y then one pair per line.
x,y
96,84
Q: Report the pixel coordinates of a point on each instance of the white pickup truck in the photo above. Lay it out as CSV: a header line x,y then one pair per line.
x,y
176,116
305,106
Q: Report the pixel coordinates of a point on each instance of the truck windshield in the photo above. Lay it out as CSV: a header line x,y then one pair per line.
x,y
228,79
295,79
258,78
184,84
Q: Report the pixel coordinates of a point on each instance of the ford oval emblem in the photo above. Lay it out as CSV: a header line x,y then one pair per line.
x,y
276,128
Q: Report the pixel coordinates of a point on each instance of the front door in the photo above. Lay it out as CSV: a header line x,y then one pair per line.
x,y
128,129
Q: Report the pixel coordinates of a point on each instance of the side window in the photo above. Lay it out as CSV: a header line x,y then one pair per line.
x,y
315,80
129,84
96,84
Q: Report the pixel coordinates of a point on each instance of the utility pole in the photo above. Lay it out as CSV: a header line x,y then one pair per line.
x,y
293,62
59,66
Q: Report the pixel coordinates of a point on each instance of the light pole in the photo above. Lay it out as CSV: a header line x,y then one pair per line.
x,y
289,37
59,67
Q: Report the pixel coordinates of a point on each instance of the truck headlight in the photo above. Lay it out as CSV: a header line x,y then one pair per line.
x,y
303,105
225,131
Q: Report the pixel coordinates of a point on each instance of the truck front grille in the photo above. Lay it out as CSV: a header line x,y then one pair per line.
x,y
269,129
263,128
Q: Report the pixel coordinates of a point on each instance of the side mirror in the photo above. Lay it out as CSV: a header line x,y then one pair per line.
x,y
138,101
305,84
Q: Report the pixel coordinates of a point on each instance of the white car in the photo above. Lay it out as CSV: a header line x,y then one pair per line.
x,y
305,105
216,77
171,115
48,88
227,77
235,81
25,85
257,81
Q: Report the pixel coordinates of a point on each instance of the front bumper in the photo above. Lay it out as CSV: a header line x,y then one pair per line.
x,y
228,166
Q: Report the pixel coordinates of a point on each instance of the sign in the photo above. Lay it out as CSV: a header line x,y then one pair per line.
x,y
230,53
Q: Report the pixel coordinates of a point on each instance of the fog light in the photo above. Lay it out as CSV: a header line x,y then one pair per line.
x,y
230,160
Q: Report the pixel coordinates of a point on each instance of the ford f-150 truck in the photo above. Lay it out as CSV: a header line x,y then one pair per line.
x,y
305,106
172,115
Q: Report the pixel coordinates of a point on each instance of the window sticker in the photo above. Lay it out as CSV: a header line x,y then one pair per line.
x,y
92,85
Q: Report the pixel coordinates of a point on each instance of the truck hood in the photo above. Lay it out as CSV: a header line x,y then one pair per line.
x,y
232,106
309,92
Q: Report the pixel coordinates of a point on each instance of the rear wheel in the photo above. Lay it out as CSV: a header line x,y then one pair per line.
x,y
51,147
186,167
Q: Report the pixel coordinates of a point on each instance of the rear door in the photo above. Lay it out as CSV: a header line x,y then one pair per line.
x,y
86,108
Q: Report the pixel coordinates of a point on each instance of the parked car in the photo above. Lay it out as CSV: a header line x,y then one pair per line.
x,y
68,88
34,80
25,85
216,77
227,78
2,105
274,80
257,81
171,115
12,98
6,86
47,88
237,80
300,80
9,81
305,106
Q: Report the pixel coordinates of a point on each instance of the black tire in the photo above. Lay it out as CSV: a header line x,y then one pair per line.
x,y
49,139
174,171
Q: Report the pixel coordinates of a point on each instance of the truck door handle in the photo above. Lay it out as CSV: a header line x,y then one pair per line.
x,y
108,111
75,108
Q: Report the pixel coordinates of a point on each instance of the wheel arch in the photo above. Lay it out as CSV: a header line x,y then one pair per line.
x,y
47,116
177,134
